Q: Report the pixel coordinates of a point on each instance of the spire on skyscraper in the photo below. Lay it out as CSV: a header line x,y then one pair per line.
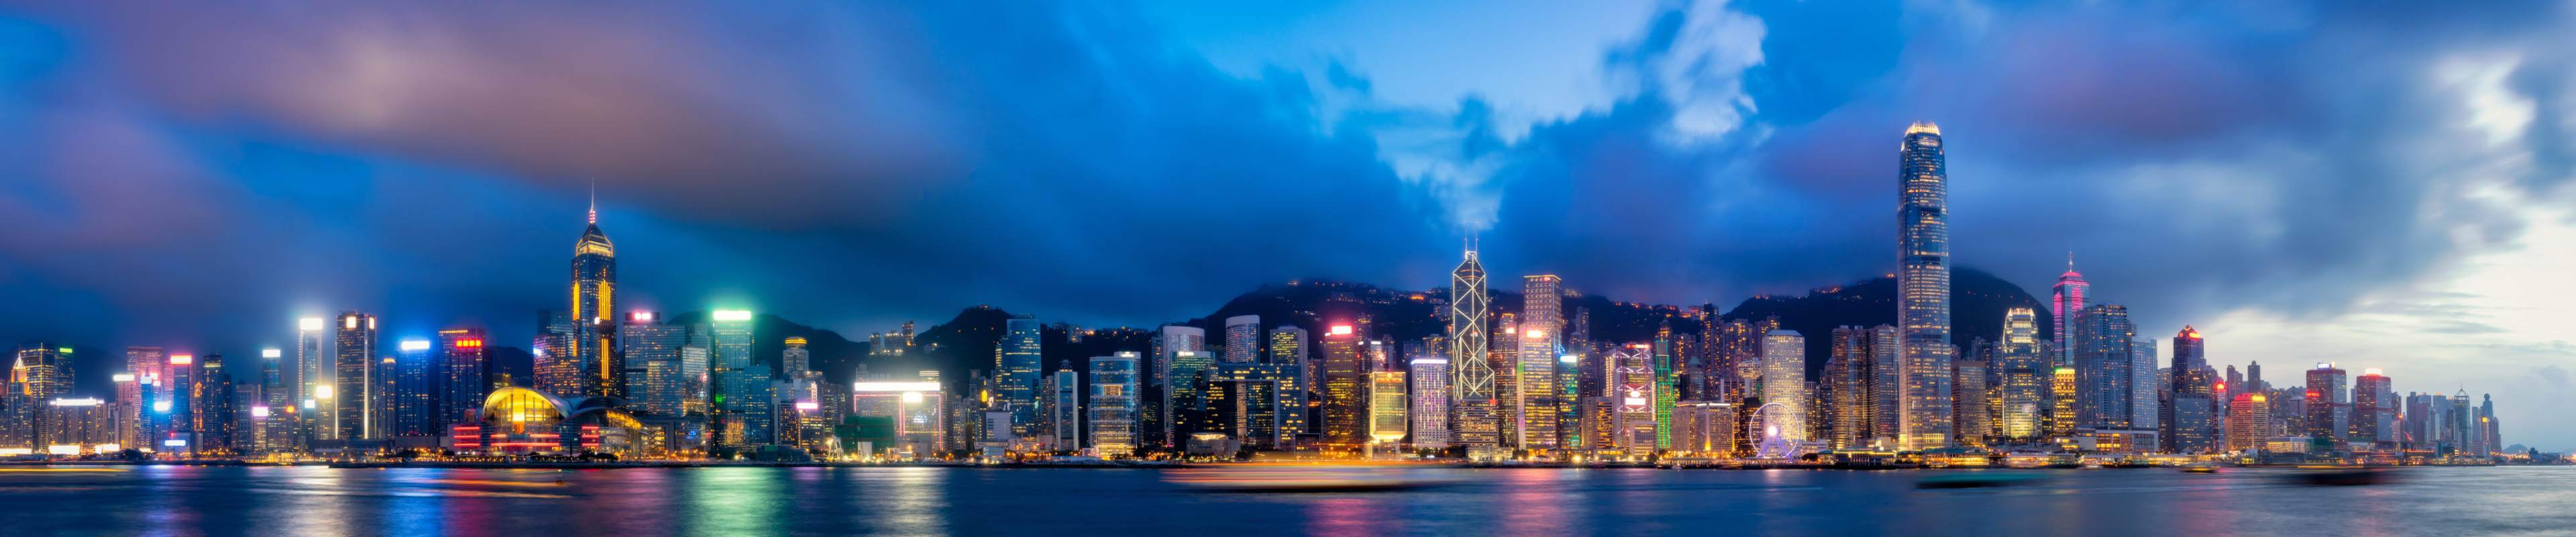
x,y
594,208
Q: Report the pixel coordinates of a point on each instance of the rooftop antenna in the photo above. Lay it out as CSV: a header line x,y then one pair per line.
x,y
594,201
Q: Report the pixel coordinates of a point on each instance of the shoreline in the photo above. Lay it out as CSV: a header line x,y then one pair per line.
x,y
1156,465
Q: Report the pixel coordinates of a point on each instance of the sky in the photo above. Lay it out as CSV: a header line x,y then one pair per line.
x,y
2377,184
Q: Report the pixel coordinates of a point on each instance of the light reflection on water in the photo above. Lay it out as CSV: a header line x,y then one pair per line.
x,y
964,501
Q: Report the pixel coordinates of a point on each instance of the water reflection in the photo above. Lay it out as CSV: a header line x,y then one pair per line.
x,y
944,501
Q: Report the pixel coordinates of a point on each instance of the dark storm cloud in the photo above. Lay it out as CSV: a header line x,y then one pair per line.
x,y
228,167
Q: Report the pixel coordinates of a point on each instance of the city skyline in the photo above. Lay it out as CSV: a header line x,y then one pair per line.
x,y
382,249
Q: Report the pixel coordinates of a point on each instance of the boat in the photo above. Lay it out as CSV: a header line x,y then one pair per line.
x,y
2200,468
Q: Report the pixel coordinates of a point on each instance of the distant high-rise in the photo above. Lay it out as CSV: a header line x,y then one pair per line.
x,y
594,291
1173,340
2329,412
1015,372
468,376
1242,339
2106,384
356,349
1471,371
1113,404
1288,346
148,365
1923,289
2249,418
1064,409
1784,382
2190,428
212,402
740,397
1541,320
2066,302
1387,406
1186,398
1635,387
312,370
416,391
2374,409
1430,394
1968,400
652,354
2024,375
1343,389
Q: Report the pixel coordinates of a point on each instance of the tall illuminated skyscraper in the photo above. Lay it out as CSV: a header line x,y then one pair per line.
x,y
740,395
1064,409
355,343
1344,387
1430,393
1542,312
594,291
2103,367
211,406
2192,406
148,365
2329,412
1923,289
1784,381
1387,407
1635,393
468,374
2249,419
1113,405
417,395
2374,409
654,370
1288,346
1471,371
1016,372
312,370
2024,378
2066,302
1242,339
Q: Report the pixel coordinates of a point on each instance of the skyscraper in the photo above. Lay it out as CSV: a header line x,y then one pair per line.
x,y
2249,418
1343,387
1923,289
1015,372
594,291
2106,384
1784,382
1430,394
468,376
1242,339
1387,407
1636,385
1175,339
211,406
417,391
2374,409
1288,346
2024,374
1064,409
2190,429
739,398
651,351
1541,321
2329,412
1471,372
1968,402
1113,405
1185,400
148,365
2066,302
351,388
